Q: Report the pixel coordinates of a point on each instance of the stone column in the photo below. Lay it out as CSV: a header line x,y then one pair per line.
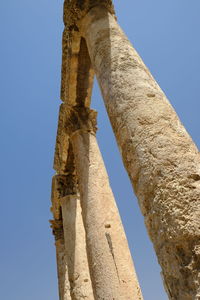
x,y
62,268
75,249
162,161
73,271
110,263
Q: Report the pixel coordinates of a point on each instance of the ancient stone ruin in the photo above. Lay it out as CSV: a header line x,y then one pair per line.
x,y
93,258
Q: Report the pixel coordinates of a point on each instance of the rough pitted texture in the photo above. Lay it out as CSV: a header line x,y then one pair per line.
x,y
80,118
75,10
70,119
62,145
109,260
62,269
162,161
75,249
77,73
111,267
72,264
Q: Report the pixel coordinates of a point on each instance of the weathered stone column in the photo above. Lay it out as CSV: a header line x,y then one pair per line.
x,y
67,214
62,268
110,263
162,161
75,248
73,271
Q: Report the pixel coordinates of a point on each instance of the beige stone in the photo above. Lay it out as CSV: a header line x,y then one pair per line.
x,y
110,263
75,249
112,271
62,147
72,264
162,161
62,267
57,228
62,270
77,72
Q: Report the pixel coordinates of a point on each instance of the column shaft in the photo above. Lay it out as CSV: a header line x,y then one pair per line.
x,y
62,266
162,161
75,249
62,271
111,267
73,271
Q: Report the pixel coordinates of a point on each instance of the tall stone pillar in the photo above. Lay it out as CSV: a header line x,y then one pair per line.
x,y
75,245
108,260
111,268
62,271
162,161
72,263
61,260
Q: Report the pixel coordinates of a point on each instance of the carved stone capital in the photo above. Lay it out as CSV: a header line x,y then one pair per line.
x,y
75,10
57,229
80,118
71,119
62,186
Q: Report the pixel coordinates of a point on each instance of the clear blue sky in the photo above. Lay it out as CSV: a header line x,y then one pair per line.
x,y
166,34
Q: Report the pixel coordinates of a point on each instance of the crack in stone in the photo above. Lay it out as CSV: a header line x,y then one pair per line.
x,y
109,240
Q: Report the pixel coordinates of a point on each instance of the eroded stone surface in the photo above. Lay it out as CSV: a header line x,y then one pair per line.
x,y
111,267
75,249
62,270
110,264
77,72
71,118
62,267
162,161
62,144
75,10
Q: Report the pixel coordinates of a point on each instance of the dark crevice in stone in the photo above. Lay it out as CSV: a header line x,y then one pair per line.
x,y
195,177
109,240
84,66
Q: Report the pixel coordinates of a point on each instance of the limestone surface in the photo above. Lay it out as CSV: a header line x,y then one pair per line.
x,y
161,159
75,249
111,267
